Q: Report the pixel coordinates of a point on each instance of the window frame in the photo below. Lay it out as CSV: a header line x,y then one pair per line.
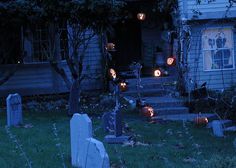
x,y
231,49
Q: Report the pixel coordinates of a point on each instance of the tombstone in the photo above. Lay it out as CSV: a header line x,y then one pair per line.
x,y
107,121
14,110
96,155
117,137
217,128
80,130
85,150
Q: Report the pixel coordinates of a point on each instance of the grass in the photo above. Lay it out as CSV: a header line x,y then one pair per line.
x,y
166,144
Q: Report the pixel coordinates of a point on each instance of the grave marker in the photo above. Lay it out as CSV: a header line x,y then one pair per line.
x,y
14,110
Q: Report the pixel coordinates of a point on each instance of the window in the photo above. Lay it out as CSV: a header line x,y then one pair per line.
x,y
218,50
40,48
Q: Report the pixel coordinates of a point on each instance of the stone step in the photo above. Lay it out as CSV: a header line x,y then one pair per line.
x,y
171,110
225,123
145,92
230,129
167,101
160,80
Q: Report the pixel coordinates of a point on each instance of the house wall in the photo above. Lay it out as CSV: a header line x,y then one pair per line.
x,y
218,79
213,10
40,78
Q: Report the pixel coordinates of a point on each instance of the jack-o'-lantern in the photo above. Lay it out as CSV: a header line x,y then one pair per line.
x,y
147,111
110,47
123,86
201,121
157,73
112,73
141,16
171,61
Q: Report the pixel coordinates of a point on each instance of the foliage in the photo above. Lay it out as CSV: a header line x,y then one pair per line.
x,y
222,103
221,162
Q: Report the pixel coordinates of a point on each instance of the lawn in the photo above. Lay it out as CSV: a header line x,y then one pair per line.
x,y
44,141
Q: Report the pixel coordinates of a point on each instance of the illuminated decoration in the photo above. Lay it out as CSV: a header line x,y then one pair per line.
x,y
110,47
123,86
171,61
147,111
157,73
112,73
141,16
201,121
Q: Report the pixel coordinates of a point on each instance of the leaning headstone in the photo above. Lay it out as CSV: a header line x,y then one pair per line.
x,y
96,156
80,130
14,110
86,151
217,128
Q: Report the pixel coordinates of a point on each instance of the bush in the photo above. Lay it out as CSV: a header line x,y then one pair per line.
x,y
222,103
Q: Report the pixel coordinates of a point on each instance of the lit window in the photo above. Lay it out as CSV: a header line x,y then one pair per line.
x,y
218,50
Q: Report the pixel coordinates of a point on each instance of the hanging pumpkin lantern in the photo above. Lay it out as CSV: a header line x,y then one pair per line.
x,y
110,47
147,111
112,73
123,86
201,121
171,61
157,73
141,16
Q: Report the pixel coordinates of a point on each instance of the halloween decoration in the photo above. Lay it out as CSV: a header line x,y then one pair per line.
x,y
147,111
141,16
110,47
123,86
171,61
157,73
112,73
201,121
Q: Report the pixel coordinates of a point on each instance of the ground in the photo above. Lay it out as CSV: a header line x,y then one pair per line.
x,y
44,141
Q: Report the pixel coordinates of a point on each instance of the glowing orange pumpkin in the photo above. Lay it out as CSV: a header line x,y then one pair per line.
x,y
201,121
171,61
157,73
110,46
141,16
112,73
123,86
147,111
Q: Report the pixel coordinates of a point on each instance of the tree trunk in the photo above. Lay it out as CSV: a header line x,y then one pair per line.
x,y
74,99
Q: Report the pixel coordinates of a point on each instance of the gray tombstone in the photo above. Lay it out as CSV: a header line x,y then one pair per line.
x,y
217,128
86,151
14,110
117,137
107,121
96,155
80,130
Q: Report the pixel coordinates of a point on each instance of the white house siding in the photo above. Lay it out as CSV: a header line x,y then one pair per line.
x,y
212,10
40,78
219,79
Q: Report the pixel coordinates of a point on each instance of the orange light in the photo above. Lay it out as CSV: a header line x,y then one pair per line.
x,y
201,120
141,16
170,61
112,73
157,73
110,46
123,86
148,111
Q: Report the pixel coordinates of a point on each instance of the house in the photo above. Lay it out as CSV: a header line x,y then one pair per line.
x,y
208,48
33,72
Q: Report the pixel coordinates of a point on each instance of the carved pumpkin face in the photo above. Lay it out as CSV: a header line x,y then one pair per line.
x,y
147,111
141,16
201,121
171,61
123,86
112,73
